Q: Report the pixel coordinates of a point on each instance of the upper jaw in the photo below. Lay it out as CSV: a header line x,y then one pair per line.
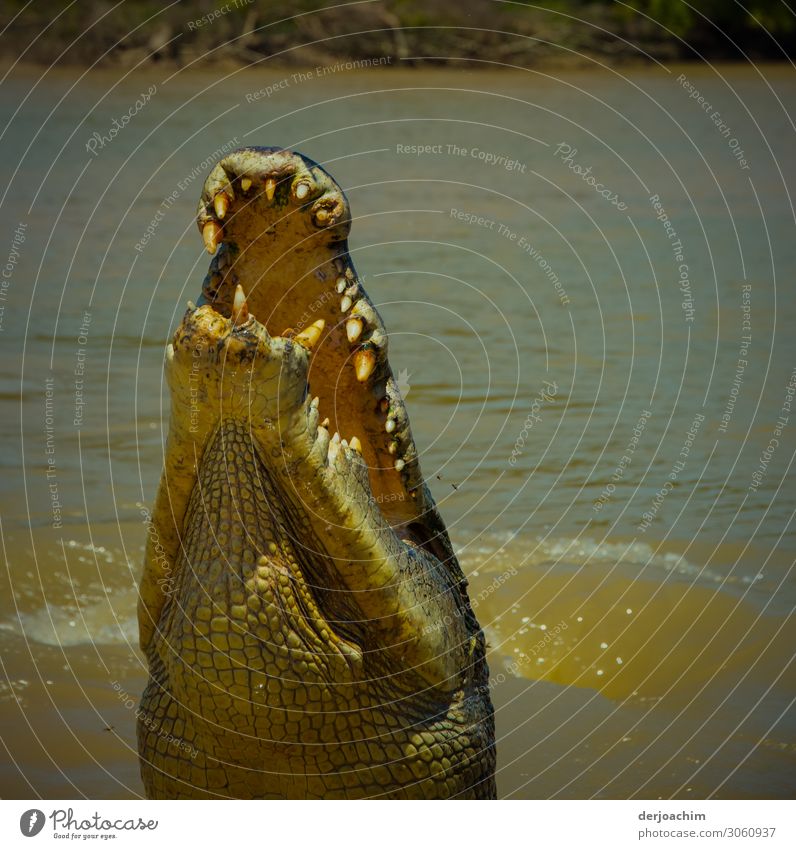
x,y
277,186
277,224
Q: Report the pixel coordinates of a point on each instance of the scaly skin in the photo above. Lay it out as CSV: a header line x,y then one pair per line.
x,y
306,623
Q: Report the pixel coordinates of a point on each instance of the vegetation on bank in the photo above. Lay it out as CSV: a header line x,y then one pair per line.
x,y
421,32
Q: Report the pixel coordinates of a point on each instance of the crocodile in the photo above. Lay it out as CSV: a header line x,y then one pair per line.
x,y
305,621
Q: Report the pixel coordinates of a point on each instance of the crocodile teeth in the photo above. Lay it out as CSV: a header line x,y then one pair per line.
x,y
322,216
345,304
221,204
240,309
325,423
399,464
310,335
364,363
393,447
211,234
353,329
302,190
390,426
245,184
270,188
169,352
342,283
321,448
355,444
334,447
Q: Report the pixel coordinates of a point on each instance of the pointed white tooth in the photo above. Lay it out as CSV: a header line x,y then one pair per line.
x,y
245,184
221,204
169,352
315,401
390,426
355,444
341,284
240,309
211,234
345,304
336,437
325,423
344,443
353,328
399,464
310,335
270,188
364,364
322,441
302,190
393,447
312,417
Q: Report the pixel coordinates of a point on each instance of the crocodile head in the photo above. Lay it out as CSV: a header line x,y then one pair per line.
x,y
306,623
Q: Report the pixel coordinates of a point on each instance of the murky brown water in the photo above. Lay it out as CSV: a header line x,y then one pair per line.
x,y
556,372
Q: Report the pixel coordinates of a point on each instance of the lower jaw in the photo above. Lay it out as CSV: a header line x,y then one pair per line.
x,y
369,411
251,632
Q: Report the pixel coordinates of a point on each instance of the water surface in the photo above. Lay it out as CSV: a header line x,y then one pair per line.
x,y
589,298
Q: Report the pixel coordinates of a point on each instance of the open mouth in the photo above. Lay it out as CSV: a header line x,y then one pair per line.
x,y
299,585
277,224
288,428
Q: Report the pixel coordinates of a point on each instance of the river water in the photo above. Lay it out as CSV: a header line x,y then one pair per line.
x,y
588,282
